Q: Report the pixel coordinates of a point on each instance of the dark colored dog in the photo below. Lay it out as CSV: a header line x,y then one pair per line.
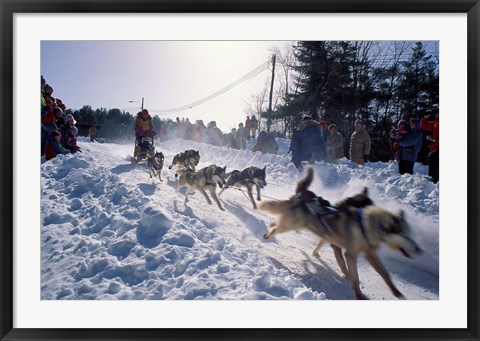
x,y
249,177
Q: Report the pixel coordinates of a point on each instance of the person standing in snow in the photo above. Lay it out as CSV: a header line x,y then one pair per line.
x,y
254,126
431,122
334,144
265,143
248,127
398,135
92,132
306,142
241,137
409,147
324,132
360,144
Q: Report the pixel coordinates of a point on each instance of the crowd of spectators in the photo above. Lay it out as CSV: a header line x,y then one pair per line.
x,y
312,141
58,131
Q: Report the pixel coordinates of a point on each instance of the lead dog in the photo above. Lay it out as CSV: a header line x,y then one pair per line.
x,y
205,179
155,164
343,229
249,177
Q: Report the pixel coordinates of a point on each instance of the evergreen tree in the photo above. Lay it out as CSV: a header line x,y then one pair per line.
x,y
418,89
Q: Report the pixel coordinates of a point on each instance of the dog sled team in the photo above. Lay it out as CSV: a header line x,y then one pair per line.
x,y
352,226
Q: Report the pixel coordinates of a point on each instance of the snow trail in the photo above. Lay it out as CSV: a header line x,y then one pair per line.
x,y
109,232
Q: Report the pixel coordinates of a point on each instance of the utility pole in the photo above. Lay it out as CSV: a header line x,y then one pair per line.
x,y
269,119
142,103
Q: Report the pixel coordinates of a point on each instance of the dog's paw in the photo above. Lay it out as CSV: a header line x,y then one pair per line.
x,y
398,294
266,236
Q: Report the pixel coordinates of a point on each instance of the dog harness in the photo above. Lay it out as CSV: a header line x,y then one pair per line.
x,y
320,202
359,213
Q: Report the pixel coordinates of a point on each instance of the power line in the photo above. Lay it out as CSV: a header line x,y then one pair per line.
x,y
249,75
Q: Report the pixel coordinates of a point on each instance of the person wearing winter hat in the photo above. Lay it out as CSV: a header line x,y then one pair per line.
x,y
398,135
409,146
54,147
69,119
143,128
70,142
47,114
430,122
360,144
306,143
69,122
334,145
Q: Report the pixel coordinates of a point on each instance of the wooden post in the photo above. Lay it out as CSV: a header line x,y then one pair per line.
x,y
269,120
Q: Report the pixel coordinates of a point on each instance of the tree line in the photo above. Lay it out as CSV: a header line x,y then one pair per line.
x,y
341,81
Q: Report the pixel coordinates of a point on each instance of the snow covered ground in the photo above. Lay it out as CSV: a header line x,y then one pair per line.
x,y
109,232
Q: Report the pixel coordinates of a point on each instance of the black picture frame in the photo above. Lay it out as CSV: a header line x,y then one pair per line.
x,y
10,7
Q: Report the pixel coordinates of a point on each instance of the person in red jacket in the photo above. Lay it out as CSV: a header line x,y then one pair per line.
x,y
430,122
54,147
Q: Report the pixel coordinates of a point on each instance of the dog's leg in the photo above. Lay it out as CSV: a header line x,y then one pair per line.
x,y
215,198
375,262
189,190
317,248
205,195
222,190
353,275
340,260
258,192
250,195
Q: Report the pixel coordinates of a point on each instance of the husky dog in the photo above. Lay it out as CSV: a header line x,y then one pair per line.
x,y
188,159
359,200
205,179
155,164
353,230
249,177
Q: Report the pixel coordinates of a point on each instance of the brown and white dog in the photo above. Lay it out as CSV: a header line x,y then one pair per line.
x,y
352,230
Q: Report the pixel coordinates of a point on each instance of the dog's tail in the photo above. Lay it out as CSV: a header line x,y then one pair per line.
x,y
303,184
274,206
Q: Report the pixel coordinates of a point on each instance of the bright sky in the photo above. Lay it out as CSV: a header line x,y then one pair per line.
x,y
167,74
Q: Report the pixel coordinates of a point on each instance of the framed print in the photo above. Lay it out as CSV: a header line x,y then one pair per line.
x,y
183,142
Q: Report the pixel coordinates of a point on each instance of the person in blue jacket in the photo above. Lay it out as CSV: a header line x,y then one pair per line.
x,y
307,142
409,147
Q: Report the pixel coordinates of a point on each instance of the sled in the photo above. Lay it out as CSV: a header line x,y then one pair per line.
x,y
144,147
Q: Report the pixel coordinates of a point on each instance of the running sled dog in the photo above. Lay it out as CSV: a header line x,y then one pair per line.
x,y
353,230
206,179
155,164
248,178
359,200
188,159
